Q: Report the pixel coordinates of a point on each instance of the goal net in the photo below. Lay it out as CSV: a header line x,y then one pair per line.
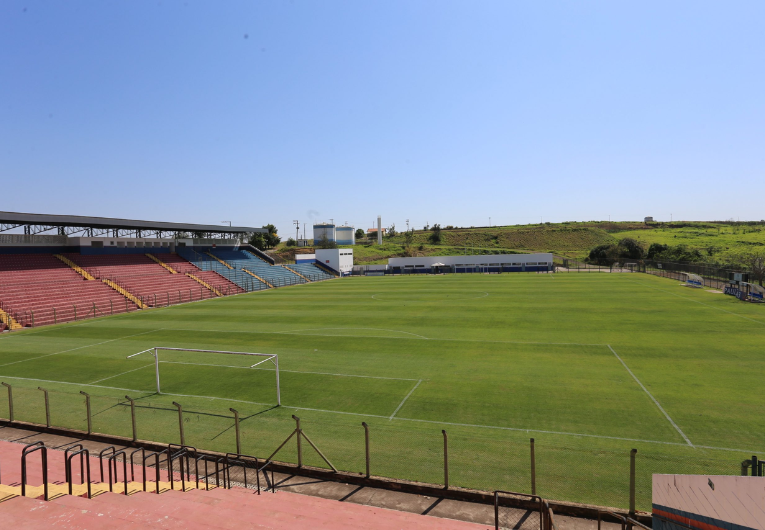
x,y
192,371
694,280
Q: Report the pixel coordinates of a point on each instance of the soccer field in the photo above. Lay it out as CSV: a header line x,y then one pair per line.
x,y
590,365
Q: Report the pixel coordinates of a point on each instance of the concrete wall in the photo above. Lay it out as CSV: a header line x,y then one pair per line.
x,y
708,502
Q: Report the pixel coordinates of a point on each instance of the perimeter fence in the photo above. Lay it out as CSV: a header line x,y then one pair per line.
x,y
591,470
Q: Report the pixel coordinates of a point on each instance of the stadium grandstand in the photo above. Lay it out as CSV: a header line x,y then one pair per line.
x,y
59,268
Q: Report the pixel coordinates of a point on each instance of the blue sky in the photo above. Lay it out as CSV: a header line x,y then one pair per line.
x,y
437,111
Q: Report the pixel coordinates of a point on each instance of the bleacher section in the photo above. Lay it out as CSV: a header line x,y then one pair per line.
x,y
276,275
39,289
153,284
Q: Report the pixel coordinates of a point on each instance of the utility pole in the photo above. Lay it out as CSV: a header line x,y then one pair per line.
x,y
407,225
297,230
489,222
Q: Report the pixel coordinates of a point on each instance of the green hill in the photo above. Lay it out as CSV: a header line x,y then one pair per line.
x,y
720,241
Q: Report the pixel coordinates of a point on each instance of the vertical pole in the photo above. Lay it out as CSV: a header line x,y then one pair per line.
x,y
132,417
47,406
632,482
10,401
87,409
446,461
533,469
236,423
299,433
55,320
156,369
366,443
278,390
111,307
75,312
180,422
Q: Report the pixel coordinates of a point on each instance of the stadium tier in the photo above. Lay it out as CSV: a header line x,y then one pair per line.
x,y
39,289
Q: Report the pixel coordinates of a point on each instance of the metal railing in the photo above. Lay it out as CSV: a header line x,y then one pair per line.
x,y
29,449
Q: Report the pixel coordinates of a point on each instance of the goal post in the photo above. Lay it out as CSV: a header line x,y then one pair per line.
x,y
693,280
274,358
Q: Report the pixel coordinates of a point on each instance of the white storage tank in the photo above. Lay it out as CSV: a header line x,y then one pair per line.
x,y
346,235
323,230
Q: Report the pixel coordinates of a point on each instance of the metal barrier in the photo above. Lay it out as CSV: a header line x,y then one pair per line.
x,y
66,455
29,449
101,459
157,457
112,462
68,463
518,511
265,476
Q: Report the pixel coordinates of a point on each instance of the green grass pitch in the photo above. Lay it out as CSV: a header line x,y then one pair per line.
x,y
590,365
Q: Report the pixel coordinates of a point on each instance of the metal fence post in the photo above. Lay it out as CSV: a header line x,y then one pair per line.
x,y
132,417
632,482
87,409
55,320
236,423
10,401
366,443
299,432
533,469
47,406
180,422
446,461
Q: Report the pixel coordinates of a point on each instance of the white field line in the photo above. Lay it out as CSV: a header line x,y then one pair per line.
x,y
79,384
367,329
399,418
123,373
651,396
404,400
292,371
395,338
81,347
696,301
484,295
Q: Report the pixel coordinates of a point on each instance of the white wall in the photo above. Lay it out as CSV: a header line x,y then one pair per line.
x,y
505,259
340,259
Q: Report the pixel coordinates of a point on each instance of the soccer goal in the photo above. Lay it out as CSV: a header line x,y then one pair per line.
x,y
274,358
694,280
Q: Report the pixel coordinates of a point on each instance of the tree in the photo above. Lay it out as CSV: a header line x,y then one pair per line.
x,y
258,240
435,234
756,264
630,248
291,242
392,230
655,249
324,242
359,233
271,238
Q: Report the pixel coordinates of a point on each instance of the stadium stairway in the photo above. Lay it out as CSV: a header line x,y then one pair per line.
x,y
192,509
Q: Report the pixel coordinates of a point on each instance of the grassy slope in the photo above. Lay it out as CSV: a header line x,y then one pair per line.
x,y
481,364
571,239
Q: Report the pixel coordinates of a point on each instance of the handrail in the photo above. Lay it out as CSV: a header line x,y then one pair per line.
x,y
238,458
189,449
156,456
29,449
132,465
257,477
532,499
68,464
66,454
113,460
179,455
101,459
626,521
550,517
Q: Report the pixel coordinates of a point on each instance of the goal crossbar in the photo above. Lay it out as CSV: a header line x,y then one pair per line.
x,y
274,358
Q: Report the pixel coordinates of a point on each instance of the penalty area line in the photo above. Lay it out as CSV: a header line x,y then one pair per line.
x,y
404,400
651,396
292,371
123,373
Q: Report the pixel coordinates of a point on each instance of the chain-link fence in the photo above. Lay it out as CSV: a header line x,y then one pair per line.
x,y
586,470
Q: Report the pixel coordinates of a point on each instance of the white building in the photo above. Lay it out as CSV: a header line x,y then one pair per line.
x,y
489,263
340,259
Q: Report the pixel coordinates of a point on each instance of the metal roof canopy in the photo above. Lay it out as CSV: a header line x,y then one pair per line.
x,y
34,223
